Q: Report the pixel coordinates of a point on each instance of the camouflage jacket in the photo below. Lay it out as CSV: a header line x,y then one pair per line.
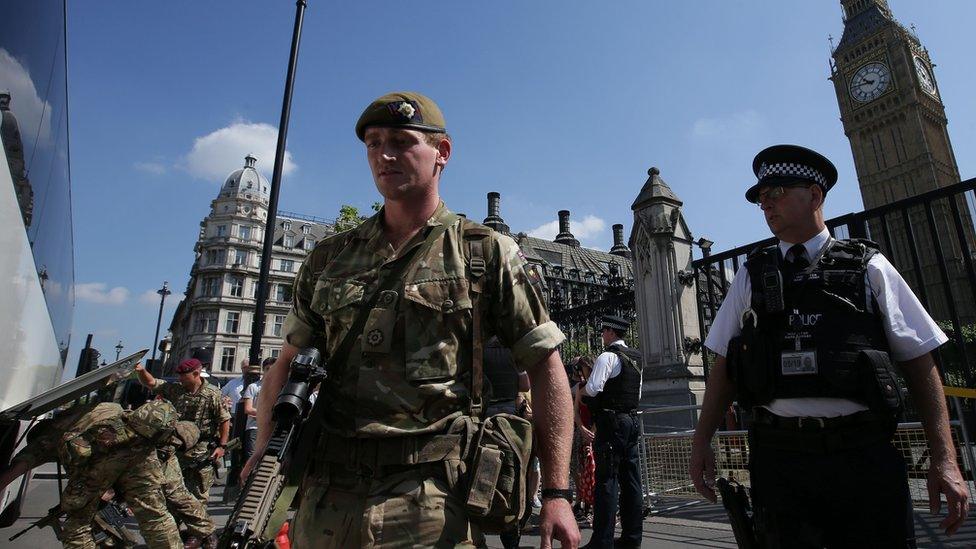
x,y
204,407
44,438
409,370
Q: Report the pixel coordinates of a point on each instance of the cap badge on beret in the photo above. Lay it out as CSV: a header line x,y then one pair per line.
x,y
791,169
404,109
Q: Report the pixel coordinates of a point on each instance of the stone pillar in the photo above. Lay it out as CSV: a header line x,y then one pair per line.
x,y
667,311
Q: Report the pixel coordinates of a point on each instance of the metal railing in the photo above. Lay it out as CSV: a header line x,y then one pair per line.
x,y
665,458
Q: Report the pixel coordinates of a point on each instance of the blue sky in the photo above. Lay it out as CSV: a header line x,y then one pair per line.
x,y
556,105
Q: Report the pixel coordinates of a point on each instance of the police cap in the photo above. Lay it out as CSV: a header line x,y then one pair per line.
x,y
615,322
789,165
402,110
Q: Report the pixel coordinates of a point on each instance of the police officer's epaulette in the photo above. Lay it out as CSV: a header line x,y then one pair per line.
x,y
853,252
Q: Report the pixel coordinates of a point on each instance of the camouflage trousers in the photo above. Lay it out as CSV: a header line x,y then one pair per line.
x,y
409,506
186,508
138,476
198,481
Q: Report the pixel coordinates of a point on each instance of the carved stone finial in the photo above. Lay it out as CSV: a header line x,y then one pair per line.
x,y
653,171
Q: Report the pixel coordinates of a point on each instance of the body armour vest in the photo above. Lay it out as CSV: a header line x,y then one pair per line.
x,y
815,332
621,393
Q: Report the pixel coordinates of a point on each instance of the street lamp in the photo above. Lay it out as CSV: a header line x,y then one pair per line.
x,y
163,292
118,350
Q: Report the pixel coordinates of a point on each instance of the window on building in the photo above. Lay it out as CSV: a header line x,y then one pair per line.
x,y
236,285
206,322
233,322
211,286
244,232
221,230
287,265
306,229
308,243
286,225
283,293
215,257
275,353
279,321
288,241
227,359
242,257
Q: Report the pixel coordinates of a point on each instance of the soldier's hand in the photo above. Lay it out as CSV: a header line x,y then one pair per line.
x,y
702,468
139,367
944,478
557,521
217,453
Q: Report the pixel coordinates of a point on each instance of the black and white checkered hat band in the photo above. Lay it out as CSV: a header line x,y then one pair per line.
x,y
789,169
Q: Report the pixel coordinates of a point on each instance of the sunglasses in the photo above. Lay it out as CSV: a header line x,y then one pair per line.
x,y
774,193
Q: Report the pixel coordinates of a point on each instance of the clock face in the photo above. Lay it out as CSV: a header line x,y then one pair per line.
x,y
924,75
870,81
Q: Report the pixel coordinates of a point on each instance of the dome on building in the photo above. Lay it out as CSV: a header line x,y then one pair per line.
x,y
247,182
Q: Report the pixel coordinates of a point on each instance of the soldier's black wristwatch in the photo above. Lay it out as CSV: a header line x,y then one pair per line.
x,y
549,493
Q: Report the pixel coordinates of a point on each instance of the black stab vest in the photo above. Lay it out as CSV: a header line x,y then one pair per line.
x,y
813,346
621,393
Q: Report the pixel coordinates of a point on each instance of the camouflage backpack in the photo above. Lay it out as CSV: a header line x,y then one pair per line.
x,y
154,420
100,429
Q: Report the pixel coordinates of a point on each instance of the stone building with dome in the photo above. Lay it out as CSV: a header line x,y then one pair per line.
x,y
218,310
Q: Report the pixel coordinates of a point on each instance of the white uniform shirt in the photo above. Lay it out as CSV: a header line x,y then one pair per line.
x,y
252,392
910,330
607,365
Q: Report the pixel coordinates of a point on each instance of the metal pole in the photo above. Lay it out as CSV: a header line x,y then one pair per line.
x,y
163,292
257,329
119,347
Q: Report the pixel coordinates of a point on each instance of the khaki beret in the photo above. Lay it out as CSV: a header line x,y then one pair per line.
x,y
402,110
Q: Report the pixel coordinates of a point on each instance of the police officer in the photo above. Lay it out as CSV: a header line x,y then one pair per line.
x,y
612,392
407,377
806,338
199,402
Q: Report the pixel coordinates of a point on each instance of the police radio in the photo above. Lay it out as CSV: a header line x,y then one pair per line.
x,y
772,289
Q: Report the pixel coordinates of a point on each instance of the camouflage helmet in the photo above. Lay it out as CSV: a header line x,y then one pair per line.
x,y
154,420
186,435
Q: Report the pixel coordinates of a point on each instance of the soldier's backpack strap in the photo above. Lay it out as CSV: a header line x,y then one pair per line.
x,y
477,247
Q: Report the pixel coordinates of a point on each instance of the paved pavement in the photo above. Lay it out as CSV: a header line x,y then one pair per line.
x,y
695,526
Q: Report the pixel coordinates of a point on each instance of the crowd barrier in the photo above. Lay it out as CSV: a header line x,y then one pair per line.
x,y
665,457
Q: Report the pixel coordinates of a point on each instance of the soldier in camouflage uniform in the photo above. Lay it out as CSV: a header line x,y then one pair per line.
x,y
104,447
385,473
184,506
199,402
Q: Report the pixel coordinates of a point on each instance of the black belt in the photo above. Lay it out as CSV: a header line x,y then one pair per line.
x,y
820,434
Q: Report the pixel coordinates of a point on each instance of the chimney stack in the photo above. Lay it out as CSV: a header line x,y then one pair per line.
x,y
494,219
619,248
564,236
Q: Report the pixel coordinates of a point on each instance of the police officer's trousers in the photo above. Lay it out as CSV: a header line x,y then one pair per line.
x,y
617,475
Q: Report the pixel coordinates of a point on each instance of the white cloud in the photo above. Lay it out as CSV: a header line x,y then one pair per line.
x,y
33,114
222,151
98,292
589,227
155,168
733,126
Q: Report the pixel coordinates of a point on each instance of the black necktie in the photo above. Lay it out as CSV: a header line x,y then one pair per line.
x,y
796,260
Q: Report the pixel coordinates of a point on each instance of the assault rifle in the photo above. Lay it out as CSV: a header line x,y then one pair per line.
x,y
736,503
108,525
247,522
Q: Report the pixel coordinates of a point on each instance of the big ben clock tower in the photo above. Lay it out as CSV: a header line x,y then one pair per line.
x,y
890,106
894,117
